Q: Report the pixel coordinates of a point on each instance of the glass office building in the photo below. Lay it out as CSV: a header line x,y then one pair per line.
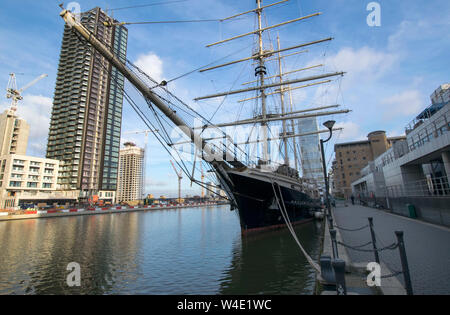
x,y
86,117
311,157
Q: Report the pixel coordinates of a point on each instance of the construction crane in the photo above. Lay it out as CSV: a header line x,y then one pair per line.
x,y
203,180
180,177
146,132
16,94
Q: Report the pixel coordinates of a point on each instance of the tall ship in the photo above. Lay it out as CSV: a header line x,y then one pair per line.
x,y
266,193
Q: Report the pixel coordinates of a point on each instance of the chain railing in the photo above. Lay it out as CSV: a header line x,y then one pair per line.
x,y
338,265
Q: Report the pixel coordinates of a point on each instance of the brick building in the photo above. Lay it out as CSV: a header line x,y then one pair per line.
x,y
352,157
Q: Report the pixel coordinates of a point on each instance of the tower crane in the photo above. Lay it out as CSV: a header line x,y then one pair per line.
x,y
16,94
146,132
180,177
203,180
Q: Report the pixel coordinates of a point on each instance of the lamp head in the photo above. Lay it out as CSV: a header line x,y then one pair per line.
x,y
329,124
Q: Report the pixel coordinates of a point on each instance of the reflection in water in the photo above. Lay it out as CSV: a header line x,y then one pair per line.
x,y
271,263
183,251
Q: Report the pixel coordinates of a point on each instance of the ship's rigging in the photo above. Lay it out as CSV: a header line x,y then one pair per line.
x,y
168,111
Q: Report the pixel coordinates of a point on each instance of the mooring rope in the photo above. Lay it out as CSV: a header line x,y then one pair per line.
x,y
290,228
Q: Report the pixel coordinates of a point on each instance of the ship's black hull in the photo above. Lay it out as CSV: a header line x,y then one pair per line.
x,y
258,207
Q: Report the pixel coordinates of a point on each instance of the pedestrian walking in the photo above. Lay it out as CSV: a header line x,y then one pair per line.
x,y
353,199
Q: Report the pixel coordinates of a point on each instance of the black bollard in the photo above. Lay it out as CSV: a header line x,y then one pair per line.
x,y
339,272
334,243
404,260
374,242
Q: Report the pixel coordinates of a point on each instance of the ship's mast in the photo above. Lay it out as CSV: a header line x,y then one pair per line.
x,y
261,71
294,143
283,112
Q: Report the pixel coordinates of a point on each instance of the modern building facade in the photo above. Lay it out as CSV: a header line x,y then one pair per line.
x,y
24,178
86,117
14,133
131,172
441,95
352,157
415,170
311,157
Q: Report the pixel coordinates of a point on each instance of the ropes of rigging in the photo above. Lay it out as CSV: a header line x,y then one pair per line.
x,y
151,126
148,5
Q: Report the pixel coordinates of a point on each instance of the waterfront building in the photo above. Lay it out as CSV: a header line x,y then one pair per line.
x,y
441,95
310,155
14,133
29,180
86,117
352,157
131,172
415,170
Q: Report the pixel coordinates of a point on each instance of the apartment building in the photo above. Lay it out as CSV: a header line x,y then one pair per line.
x,y
26,179
14,133
86,117
131,173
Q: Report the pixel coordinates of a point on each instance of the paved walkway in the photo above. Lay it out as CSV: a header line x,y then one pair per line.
x,y
427,245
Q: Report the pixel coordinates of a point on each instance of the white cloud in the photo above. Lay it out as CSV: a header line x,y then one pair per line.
x,y
363,64
416,30
403,104
151,64
351,131
36,110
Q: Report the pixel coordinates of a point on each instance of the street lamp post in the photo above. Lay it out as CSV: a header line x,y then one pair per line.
x,y
329,124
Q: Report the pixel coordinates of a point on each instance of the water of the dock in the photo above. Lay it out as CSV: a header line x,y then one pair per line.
x,y
179,251
427,245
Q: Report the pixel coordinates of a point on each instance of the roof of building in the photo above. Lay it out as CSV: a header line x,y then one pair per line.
x,y
366,141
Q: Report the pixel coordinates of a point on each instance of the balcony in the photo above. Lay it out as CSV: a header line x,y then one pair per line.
x,y
432,123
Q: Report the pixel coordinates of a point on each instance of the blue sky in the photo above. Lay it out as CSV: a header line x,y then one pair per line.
x,y
391,69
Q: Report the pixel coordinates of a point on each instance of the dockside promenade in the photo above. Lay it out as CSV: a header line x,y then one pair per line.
x,y
427,247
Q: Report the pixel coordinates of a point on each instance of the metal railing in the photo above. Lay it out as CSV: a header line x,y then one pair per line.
x,y
430,130
422,188
333,269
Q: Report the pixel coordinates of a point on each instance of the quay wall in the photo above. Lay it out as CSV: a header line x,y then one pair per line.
x,y
93,211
